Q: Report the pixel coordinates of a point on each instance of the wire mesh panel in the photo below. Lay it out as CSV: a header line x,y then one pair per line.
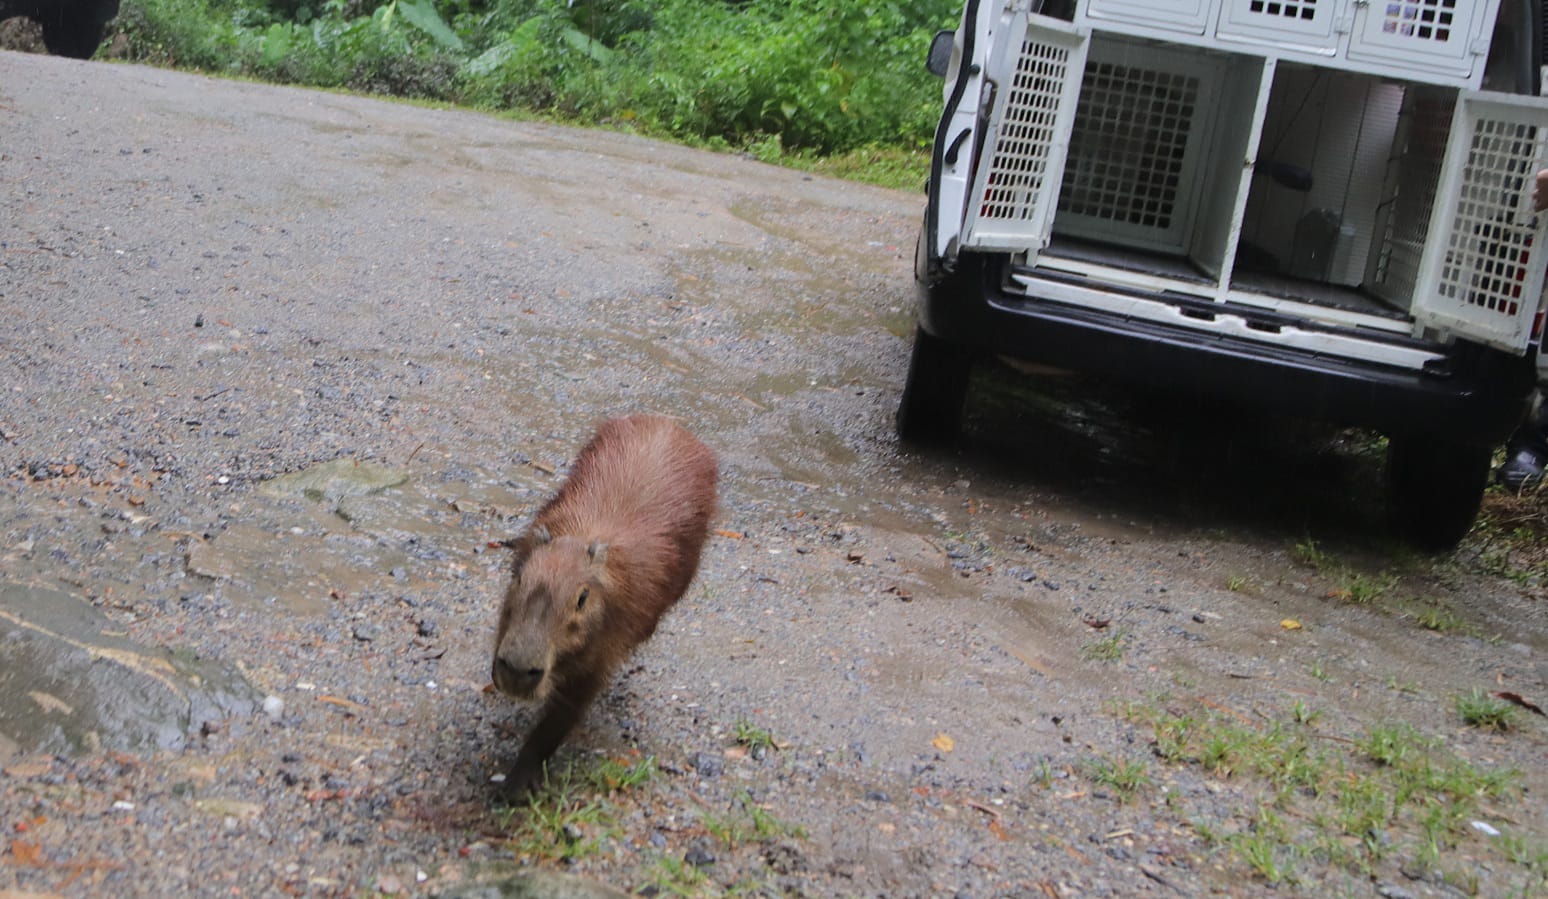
x,y
1136,147
1408,197
1029,129
1480,275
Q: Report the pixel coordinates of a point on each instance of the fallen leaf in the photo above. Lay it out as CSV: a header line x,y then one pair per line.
x,y
230,808
731,535
998,829
342,703
1290,624
944,742
1518,699
1098,623
29,769
27,854
900,593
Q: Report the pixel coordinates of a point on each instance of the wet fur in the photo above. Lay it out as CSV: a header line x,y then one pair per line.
x,y
627,527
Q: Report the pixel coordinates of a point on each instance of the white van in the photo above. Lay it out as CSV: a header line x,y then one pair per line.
x,y
1316,207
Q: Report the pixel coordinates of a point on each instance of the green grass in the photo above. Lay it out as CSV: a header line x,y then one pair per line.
x,y
753,737
1125,778
1479,709
1107,649
574,814
1386,794
748,822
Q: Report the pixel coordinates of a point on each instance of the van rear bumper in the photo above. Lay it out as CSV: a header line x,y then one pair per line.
x,y
1472,394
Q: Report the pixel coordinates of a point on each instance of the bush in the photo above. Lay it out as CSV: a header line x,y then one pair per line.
x,y
824,76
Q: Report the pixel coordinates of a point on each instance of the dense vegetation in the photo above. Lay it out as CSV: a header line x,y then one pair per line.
x,y
781,78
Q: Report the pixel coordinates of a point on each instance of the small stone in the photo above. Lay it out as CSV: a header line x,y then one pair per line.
x,y
274,707
699,857
878,796
708,764
427,628
365,631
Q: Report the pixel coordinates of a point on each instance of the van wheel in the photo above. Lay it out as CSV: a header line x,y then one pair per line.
x,y
1434,489
930,412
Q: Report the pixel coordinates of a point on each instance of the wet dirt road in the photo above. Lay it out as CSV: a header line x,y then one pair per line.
x,y
279,368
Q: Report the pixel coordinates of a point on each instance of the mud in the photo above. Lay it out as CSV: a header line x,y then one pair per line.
x,y
223,302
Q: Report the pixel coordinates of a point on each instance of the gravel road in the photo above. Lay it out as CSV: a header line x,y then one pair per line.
x,y
279,369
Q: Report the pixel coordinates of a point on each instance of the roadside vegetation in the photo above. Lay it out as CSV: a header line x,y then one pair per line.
x,y
1365,798
832,85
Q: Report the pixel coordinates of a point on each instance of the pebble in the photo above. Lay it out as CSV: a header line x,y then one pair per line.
x,y
699,857
708,764
274,707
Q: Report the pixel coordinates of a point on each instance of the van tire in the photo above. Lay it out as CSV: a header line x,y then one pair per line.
x,y
1434,489
930,411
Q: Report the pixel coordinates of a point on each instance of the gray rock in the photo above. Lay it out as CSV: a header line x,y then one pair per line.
x,y
67,684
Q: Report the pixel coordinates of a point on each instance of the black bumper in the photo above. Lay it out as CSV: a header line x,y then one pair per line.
x,y
1477,396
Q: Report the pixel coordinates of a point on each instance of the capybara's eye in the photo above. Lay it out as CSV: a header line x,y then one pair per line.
x,y
580,601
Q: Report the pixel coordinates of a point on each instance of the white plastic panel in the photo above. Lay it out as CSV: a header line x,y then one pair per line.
x,y
1139,144
1481,276
1434,36
1306,25
1189,16
1012,201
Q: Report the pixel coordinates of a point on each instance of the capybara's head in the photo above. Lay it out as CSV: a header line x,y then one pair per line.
x,y
553,608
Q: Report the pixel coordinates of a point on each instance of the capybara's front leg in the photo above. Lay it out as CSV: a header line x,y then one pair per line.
x,y
560,714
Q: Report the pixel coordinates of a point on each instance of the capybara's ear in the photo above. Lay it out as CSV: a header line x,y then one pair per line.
x,y
598,552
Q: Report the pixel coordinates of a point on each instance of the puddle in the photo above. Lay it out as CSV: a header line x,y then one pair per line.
x,y
69,683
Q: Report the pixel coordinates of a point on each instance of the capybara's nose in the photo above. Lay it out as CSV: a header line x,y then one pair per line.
x,y
516,681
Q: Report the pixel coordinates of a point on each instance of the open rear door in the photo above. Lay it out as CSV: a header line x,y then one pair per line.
x,y
1481,276
1035,68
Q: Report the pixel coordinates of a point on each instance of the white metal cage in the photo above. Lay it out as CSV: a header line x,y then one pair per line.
x,y
1136,146
1033,110
1484,227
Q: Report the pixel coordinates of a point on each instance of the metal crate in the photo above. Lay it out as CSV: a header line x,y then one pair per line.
x,y
1484,228
1034,110
1138,145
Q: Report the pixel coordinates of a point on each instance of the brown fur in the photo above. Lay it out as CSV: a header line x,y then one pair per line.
x,y
624,532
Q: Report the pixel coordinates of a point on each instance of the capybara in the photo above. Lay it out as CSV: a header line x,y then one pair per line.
x,y
593,574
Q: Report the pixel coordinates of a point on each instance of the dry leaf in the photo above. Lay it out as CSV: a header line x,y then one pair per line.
x,y
1518,699
944,742
1290,624
29,769
730,535
27,854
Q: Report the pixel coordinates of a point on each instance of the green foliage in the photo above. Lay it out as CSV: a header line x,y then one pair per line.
x,y
830,77
1389,793
1479,709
